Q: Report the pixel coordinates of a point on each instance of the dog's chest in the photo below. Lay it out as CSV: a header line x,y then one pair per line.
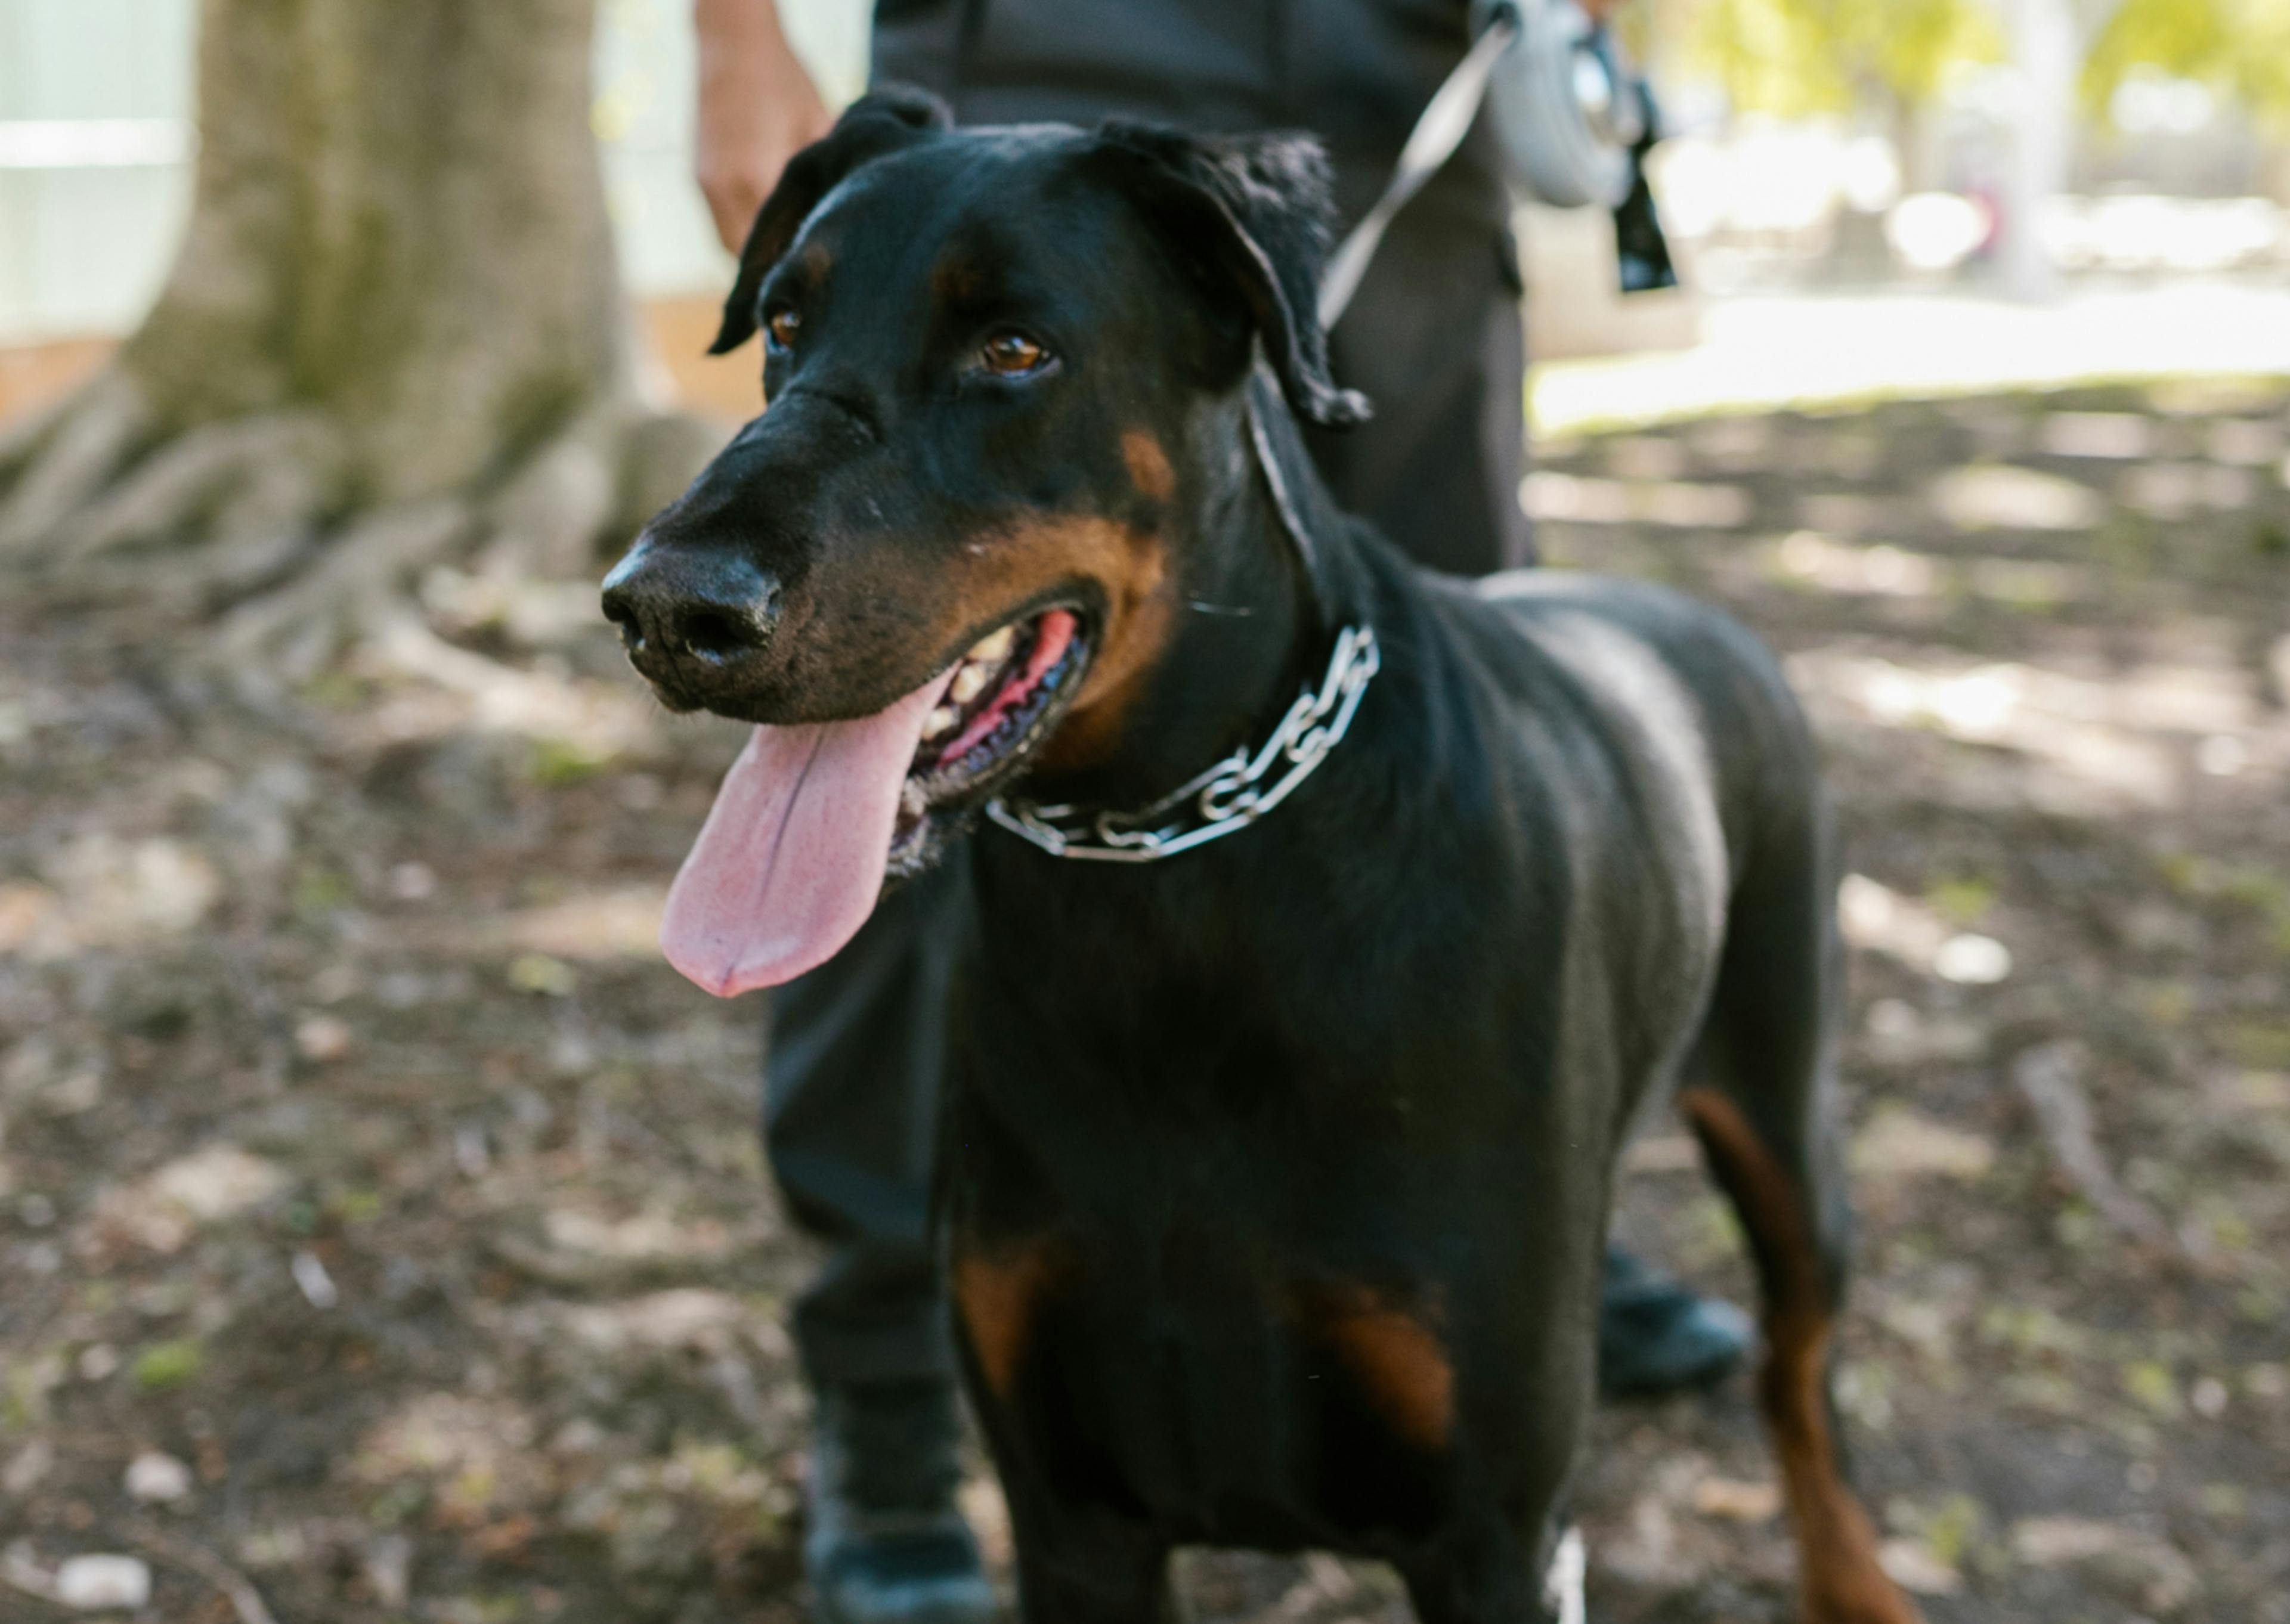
x,y
1247,1309
1241,1391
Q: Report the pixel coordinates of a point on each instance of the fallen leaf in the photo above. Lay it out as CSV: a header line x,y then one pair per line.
x,y
1730,1500
1916,1569
162,1210
1901,1143
322,1038
2143,1568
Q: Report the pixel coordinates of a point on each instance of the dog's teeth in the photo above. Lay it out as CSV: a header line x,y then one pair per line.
x,y
969,683
990,650
941,720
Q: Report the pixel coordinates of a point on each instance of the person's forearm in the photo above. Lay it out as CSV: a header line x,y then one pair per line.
x,y
757,108
738,40
736,26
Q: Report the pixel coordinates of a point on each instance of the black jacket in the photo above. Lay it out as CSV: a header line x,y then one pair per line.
x,y
1357,73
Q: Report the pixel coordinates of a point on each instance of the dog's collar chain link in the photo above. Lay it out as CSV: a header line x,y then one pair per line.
x,y
1225,799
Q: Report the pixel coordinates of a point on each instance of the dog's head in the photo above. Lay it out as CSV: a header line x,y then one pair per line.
x,y
956,532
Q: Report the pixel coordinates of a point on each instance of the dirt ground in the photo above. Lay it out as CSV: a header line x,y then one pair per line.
x,y
383,1234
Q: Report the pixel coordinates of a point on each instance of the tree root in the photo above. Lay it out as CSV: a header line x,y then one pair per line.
x,y
71,457
257,490
21,438
242,535
400,643
195,478
296,631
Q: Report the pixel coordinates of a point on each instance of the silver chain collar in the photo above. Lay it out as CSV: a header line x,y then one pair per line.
x,y
1224,800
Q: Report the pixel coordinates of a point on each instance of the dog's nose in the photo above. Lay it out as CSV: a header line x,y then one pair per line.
x,y
684,612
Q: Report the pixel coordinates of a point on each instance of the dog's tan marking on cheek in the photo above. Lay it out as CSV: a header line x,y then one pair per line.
x,y
1132,567
1149,465
1842,1581
1401,1362
999,1294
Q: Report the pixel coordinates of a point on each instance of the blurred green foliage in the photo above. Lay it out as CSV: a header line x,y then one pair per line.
x,y
168,1364
1798,57
2241,47
1794,57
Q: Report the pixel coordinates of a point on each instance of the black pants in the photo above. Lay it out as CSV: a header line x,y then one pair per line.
x,y
857,1051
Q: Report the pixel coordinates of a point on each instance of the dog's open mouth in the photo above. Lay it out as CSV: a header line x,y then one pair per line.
x,y
1003,696
812,818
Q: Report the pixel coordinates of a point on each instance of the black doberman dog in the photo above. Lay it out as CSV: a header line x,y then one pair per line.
x,y
1276,1173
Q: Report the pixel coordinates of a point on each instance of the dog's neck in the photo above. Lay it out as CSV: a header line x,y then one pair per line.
x,y
1258,606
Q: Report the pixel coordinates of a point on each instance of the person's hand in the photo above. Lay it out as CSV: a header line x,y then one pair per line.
x,y
757,110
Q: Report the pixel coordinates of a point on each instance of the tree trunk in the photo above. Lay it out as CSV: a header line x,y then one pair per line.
x,y
1913,139
394,336
2045,49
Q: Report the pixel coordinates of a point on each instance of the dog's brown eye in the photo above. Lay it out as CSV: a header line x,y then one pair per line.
x,y
783,325
1013,355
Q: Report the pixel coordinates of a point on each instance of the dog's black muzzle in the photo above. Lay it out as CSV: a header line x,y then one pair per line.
x,y
696,622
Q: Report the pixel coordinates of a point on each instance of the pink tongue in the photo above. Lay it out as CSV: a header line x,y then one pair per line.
x,y
790,862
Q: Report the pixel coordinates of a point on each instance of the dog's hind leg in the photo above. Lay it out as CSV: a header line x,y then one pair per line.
x,y
1760,1094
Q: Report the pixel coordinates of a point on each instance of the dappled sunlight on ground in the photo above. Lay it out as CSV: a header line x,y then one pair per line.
x,y
382,1226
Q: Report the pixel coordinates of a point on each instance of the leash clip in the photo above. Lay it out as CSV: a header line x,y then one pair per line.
x,y
1223,800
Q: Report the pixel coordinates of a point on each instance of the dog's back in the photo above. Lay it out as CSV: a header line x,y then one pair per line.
x,y
1710,746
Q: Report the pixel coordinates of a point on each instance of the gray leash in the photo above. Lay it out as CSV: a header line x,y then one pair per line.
x,y
1555,138
1445,120
1566,109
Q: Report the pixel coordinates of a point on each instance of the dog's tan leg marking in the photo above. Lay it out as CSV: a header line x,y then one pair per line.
x,y
1000,1295
1149,464
1400,1360
1836,1545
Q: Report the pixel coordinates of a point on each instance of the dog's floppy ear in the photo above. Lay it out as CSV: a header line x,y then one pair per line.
x,y
1250,215
876,123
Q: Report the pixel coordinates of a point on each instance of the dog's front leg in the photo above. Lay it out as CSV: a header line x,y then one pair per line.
x,y
1488,1575
1083,1566
1080,1559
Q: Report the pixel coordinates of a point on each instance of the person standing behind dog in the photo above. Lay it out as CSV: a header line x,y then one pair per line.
x,y
1433,337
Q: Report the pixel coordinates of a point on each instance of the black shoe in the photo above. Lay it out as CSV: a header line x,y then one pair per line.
x,y
885,1543
1656,1336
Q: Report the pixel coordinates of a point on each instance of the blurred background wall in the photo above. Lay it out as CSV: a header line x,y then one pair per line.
x,y
97,137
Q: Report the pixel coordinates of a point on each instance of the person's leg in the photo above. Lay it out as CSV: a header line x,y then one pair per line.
x,y
1434,339
852,1074
853,1071
1657,1337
